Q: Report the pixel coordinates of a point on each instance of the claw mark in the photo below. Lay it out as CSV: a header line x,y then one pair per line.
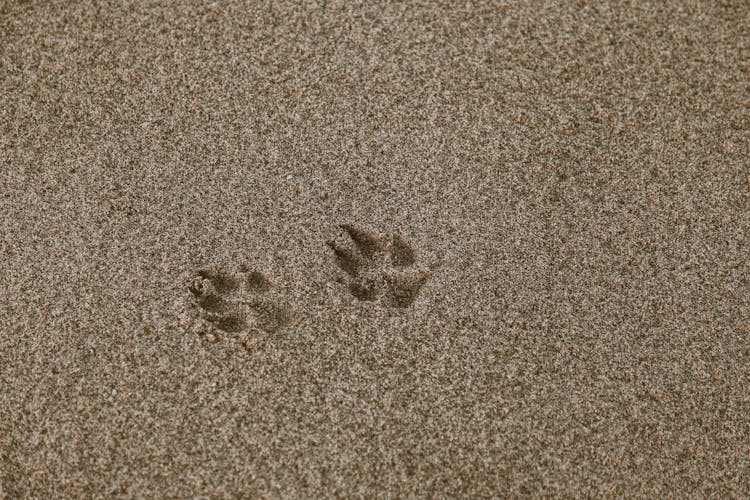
x,y
366,242
402,253
380,270
347,259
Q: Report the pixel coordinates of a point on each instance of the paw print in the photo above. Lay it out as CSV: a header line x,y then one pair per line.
x,y
224,304
380,269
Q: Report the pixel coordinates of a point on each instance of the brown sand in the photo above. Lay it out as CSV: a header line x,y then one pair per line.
x,y
574,181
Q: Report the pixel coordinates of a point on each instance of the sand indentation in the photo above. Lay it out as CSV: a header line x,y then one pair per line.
x,y
221,304
380,269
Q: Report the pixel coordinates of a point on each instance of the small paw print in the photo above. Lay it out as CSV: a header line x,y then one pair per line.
x,y
233,304
380,269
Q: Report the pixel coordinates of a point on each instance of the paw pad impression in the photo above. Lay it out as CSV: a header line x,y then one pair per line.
x,y
380,269
232,304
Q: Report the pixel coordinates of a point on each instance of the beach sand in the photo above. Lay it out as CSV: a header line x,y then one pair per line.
x,y
374,249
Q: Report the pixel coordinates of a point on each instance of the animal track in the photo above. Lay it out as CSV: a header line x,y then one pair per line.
x,y
380,269
224,304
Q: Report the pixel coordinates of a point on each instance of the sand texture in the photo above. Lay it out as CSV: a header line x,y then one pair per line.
x,y
345,249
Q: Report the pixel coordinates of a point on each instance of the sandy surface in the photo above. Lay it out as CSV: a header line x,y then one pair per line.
x,y
545,289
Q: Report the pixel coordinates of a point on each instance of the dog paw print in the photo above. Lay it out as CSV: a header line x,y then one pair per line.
x,y
380,269
233,304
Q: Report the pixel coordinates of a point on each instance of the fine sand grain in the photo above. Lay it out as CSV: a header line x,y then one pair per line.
x,y
430,249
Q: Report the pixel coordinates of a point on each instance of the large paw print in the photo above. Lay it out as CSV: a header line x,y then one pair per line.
x,y
380,269
234,304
